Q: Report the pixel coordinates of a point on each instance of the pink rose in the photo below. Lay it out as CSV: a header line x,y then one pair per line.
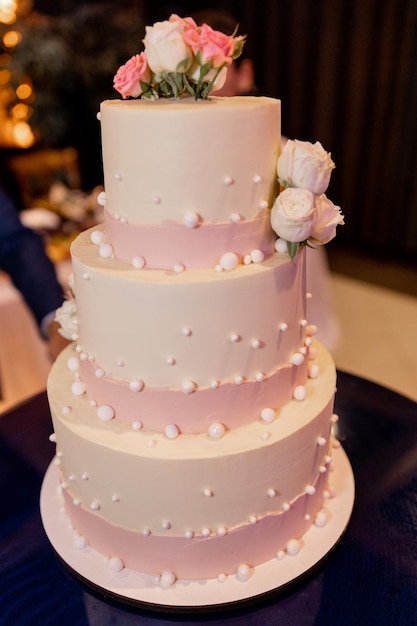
x,y
187,23
329,216
211,46
129,76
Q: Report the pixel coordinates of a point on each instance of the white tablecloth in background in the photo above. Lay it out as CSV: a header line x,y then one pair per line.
x,y
24,360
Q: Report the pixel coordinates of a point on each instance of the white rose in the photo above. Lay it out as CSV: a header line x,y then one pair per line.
x,y
194,75
66,316
306,165
329,216
166,50
293,214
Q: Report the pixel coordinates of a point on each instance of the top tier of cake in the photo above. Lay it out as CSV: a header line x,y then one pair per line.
x,y
189,181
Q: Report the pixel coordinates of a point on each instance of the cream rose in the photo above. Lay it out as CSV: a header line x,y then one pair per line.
x,y
66,316
293,214
165,47
219,77
329,216
305,165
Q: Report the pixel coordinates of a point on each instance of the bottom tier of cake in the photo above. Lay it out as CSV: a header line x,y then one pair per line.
x,y
196,506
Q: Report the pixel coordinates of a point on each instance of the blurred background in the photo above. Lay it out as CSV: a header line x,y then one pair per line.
x,y
346,72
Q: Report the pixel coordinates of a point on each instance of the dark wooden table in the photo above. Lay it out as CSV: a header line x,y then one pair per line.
x,y
369,578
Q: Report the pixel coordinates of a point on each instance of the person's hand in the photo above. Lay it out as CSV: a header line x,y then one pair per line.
x,y
56,342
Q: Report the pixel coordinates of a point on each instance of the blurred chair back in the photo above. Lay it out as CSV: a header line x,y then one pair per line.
x,y
37,170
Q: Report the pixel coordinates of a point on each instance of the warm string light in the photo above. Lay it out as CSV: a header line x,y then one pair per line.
x,y
15,129
8,11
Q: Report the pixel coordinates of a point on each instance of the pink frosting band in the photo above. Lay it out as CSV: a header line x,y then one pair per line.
x,y
199,557
231,404
168,244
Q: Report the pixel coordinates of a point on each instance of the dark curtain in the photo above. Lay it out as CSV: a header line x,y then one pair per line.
x,y
346,72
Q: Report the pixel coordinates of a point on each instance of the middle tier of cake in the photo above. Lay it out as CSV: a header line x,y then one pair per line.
x,y
191,348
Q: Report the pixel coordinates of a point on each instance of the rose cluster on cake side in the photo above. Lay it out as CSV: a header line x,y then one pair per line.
x,y
302,214
179,59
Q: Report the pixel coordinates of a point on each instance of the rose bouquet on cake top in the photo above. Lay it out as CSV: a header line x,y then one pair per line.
x,y
302,214
179,59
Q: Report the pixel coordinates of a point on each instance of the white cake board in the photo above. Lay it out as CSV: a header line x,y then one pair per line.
x,y
134,588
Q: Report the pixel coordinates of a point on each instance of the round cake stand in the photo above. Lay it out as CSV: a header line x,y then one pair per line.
x,y
140,589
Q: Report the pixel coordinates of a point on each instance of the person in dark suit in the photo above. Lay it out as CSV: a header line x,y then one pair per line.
x,y
23,258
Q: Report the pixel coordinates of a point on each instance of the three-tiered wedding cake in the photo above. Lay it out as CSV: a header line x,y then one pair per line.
x,y
193,411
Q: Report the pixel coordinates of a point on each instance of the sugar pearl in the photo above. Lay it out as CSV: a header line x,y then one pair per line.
x,y
235,218
73,364
97,237
99,373
167,579
293,547
297,358
191,219
229,261
243,572
115,564
283,327
136,385
228,180
178,268
80,542
105,250
138,262
188,386
78,388
118,176
257,256
310,490
137,425
257,179
300,392
216,430
281,246
268,414
157,200
321,519
172,431
101,198
105,413
313,370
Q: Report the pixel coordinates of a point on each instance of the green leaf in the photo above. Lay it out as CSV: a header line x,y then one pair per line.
x,y
293,247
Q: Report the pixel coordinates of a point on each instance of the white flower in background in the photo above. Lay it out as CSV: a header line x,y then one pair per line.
x,y
306,165
66,316
293,214
329,216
